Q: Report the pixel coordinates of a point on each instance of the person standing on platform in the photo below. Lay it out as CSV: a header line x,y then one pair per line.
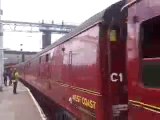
x,y
10,76
5,77
15,80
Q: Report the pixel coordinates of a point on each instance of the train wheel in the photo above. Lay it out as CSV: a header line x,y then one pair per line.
x,y
63,115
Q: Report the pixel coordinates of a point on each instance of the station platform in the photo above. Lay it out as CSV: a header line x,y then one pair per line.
x,y
20,106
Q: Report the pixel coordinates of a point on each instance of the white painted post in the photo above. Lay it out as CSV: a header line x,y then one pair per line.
x,y
1,51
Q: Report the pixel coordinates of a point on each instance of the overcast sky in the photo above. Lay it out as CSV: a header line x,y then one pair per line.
x,y
70,11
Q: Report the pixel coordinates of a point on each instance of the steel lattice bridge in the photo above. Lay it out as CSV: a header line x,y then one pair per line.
x,y
17,26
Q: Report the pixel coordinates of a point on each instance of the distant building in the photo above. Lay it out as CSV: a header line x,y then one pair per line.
x,y
14,57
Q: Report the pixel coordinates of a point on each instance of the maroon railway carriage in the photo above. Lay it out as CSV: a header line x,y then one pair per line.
x,y
143,60
85,71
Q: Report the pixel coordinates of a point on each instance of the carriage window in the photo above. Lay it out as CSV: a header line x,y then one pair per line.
x,y
40,60
150,51
150,38
47,57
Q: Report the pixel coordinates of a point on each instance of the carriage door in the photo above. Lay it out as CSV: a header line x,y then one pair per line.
x,y
117,69
144,60
150,58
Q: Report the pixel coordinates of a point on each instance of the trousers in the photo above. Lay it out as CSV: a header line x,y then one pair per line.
x,y
5,81
15,87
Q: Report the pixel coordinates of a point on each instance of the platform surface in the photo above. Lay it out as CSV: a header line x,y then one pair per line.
x,y
18,106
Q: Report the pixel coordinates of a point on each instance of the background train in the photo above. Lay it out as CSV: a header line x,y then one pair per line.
x,y
104,68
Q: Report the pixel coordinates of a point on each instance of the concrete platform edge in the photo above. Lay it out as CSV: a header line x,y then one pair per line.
x,y
37,105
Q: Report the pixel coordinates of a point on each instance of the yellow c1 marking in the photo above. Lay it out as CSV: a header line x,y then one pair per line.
x,y
84,101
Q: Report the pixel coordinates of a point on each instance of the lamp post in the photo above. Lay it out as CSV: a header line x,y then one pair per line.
x,y
21,45
1,51
22,54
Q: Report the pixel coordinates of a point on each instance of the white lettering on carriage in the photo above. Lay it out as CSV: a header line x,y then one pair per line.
x,y
115,77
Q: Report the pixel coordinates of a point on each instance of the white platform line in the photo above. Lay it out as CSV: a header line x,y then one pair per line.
x,y
37,105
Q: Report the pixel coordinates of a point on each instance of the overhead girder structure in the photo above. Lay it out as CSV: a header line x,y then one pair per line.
x,y
17,26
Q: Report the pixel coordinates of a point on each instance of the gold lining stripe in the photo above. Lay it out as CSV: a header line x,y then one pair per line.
x,y
78,88
151,110
151,106
145,106
135,101
141,103
136,105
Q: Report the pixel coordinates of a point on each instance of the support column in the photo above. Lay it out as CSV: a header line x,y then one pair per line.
x,y
23,57
46,39
1,52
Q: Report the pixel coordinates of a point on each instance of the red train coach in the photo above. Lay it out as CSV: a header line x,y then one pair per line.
x,y
143,60
85,71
